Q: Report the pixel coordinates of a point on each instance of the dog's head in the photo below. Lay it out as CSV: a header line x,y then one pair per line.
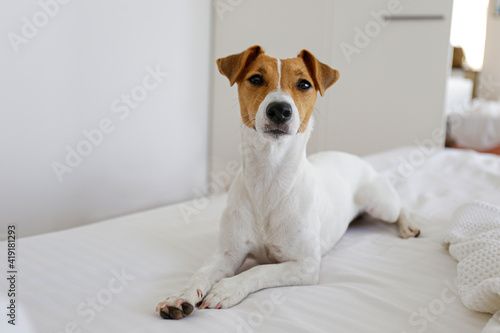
x,y
276,96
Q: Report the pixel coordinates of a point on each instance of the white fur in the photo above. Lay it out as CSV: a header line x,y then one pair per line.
x,y
279,74
286,211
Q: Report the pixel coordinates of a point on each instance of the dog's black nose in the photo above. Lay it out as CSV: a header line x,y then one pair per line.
x,y
279,112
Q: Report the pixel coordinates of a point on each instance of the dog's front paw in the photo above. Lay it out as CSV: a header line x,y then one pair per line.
x,y
179,305
224,294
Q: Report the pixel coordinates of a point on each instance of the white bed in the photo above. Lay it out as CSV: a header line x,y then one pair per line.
x,y
372,281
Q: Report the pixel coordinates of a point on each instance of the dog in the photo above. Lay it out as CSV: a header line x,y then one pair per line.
x,y
283,209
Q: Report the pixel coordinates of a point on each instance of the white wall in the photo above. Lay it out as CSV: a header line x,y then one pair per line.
x,y
489,87
65,78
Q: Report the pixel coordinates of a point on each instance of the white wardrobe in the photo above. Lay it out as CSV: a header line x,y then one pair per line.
x,y
392,56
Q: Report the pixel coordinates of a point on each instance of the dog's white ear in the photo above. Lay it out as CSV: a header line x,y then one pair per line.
x,y
233,66
323,76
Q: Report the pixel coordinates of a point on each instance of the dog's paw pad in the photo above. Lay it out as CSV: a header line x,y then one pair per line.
x,y
171,312
180,304
164,314
187,308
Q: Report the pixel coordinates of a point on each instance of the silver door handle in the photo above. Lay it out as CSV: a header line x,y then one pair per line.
x,y
413,17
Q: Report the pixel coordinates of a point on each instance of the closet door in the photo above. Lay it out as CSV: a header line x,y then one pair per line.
x,y
392,74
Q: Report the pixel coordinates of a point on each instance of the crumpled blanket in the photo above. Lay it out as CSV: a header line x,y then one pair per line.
x,y
474,241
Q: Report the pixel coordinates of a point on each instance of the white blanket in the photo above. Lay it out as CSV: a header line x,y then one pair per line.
x,y
474,240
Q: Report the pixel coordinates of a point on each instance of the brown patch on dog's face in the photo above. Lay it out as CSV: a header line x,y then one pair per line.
x,y
297,82
258,75
260,79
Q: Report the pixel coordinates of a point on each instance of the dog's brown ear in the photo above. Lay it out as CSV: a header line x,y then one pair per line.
x,y
233,66
323,76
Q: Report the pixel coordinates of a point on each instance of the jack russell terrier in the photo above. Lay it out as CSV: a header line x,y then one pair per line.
x,y
284,210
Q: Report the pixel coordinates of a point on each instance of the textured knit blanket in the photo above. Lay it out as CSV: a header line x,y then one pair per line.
x,y
474,241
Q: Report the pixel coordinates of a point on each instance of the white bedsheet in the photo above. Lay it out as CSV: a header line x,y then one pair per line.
x,y
372,281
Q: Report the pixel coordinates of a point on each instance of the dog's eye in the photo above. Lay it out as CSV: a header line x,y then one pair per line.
x,y
256,80
303,85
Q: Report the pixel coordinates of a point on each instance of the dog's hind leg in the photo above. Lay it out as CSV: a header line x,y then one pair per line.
x,y
406,229
380,200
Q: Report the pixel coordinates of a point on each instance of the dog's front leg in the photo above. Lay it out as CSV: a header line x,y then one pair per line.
x,y
229,256
230,291
182,303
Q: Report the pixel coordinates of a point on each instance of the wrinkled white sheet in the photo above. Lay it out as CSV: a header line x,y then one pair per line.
x,y
372,281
